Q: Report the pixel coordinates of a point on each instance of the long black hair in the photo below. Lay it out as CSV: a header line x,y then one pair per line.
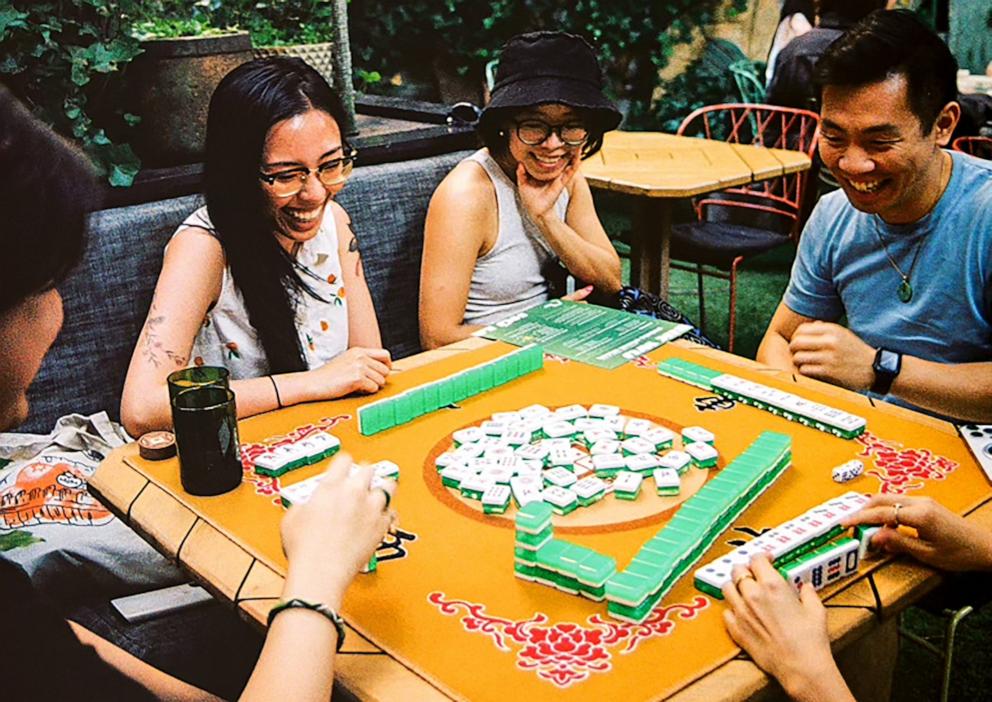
x,y
47,188
246,104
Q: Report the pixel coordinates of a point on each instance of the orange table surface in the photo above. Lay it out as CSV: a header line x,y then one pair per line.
x,y
451,612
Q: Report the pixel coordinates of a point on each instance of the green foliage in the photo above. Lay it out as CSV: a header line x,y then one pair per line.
x,y
19,538
273,23
634,38
61,58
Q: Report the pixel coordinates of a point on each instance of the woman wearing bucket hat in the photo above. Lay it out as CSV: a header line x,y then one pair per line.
x,y
508,224
520,204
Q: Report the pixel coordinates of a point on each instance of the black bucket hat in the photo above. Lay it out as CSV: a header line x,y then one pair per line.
x,y
541,68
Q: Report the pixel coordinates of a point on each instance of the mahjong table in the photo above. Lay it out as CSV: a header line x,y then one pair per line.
x,y
444,616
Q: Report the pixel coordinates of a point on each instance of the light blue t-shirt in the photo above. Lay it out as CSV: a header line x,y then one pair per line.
x,y
841,269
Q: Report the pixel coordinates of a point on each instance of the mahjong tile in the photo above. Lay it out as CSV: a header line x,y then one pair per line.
x,y
562,477
604,447
570,412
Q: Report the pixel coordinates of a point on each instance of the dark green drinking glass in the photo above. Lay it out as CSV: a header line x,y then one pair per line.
x,y
206,427
195,376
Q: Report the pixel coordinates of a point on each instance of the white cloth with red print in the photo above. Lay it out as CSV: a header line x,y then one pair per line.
x,y
228,339
69,544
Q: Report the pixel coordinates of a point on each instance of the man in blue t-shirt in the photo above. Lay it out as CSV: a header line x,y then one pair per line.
x,y
904,250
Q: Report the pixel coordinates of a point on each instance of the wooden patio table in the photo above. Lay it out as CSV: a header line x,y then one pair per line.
x,y
662,168
863,642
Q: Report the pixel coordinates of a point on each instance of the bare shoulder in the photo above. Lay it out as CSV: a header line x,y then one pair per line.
x,y
196,244
340,214
467,185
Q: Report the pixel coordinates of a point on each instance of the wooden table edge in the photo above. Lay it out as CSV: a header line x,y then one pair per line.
x,y
354,672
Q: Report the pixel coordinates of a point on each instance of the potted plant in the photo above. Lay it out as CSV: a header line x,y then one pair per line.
x,y
171,82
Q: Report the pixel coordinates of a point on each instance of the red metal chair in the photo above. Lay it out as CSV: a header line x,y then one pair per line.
x,y
746,220
979,146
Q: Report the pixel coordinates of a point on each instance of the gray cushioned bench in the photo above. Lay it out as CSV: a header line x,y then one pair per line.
x,y
108,295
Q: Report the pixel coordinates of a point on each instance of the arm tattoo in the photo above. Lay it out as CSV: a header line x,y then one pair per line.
x,y
153,349
353,248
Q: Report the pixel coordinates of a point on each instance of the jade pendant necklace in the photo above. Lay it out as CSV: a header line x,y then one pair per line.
x,y
905,289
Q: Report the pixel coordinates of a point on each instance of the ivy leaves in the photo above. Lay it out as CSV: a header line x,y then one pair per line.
x,y
52,54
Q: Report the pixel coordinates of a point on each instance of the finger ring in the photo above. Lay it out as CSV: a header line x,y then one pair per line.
x,y
895,517
743,577
389,498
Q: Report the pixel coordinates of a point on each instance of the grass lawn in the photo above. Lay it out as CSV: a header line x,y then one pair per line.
x,y
760,285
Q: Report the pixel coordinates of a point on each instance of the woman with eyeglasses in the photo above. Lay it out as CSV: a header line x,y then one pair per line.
x,y
255,281
503,218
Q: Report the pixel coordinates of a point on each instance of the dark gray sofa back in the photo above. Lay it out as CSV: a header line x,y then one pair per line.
x,y
108,295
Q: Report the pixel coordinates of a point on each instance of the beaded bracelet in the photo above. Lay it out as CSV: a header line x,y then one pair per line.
x,y
297,603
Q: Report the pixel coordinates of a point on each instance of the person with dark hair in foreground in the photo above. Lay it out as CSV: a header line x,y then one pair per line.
x,y
256,280
46,191
792,83
904,250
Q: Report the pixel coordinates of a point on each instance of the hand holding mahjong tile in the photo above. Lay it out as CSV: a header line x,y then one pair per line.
x,y
784,634
943,539
331,536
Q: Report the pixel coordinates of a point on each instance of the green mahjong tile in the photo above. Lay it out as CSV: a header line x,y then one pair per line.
x,y
596,570
549,555
526,570
417,402
629,589
446,392
525,554
636,613
404,408
707,589
534,540
534,516
495,509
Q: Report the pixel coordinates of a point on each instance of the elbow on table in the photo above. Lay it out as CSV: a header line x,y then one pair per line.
x,y
141,417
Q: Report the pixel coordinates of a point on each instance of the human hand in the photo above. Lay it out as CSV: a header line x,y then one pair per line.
x,y
943,539
580,294
785,635
356,370
538,197
830,352
328,539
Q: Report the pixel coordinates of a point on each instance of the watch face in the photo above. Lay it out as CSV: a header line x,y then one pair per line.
x,y
888,361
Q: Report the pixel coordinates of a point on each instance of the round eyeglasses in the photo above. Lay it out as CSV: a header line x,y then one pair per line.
x,y
533,132
330,173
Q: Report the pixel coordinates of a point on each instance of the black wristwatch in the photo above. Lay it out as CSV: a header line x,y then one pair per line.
x,y
886,366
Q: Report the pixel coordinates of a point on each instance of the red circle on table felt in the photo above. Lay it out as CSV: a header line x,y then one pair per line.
x,y
665,506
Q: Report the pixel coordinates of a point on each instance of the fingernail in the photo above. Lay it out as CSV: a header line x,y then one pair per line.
x,y
588,288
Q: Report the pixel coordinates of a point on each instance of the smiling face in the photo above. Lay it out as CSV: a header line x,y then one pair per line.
x,y
547,160
875,147
304,141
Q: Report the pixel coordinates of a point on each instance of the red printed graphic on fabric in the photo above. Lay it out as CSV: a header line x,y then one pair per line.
x,y
900,469
49,490
556,358
263,484
566,653
643,362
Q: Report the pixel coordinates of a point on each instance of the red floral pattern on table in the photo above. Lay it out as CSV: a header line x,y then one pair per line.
x,y
263,484
901,469
643,362
566,653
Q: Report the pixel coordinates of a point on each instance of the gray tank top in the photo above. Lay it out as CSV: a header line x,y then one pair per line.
x,y
508,279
